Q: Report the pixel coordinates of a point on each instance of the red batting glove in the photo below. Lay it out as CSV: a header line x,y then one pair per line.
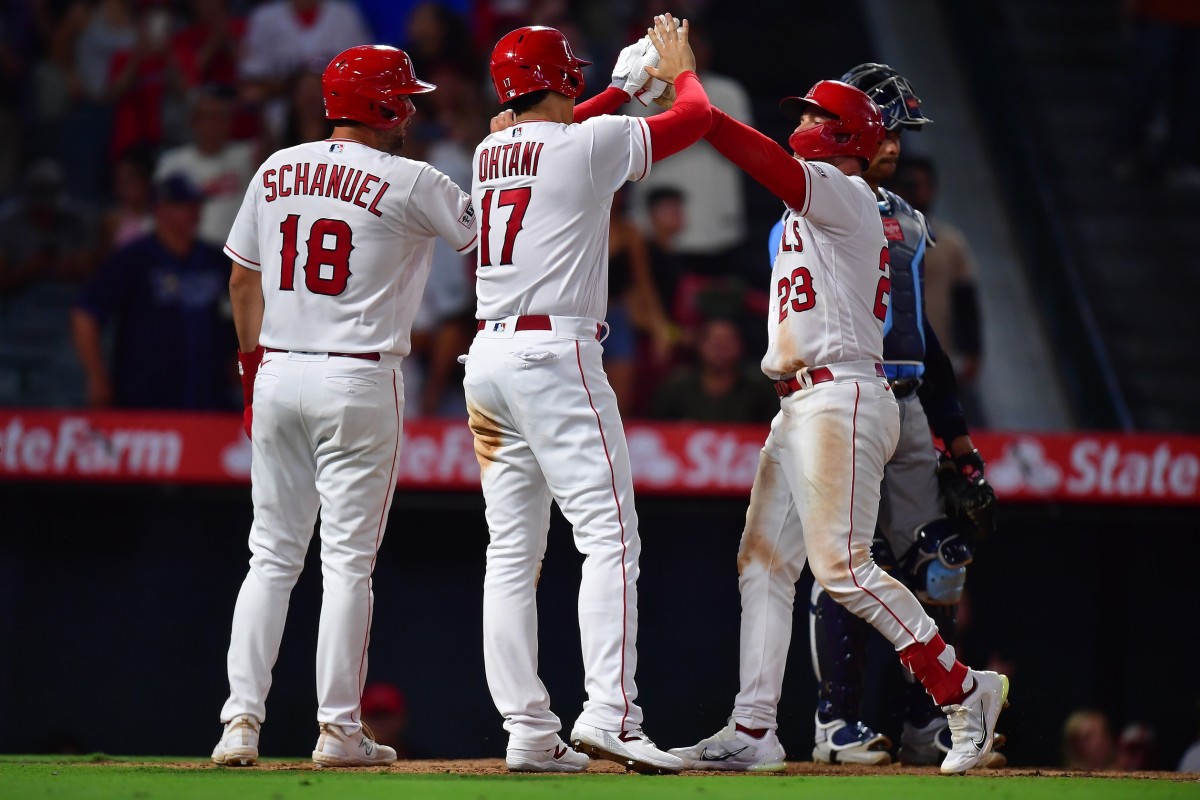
x,y
248,369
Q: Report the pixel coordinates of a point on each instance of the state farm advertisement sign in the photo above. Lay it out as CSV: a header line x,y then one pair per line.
x,y
668,459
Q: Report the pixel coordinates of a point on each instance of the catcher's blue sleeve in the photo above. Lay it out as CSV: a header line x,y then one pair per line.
x,y
773,239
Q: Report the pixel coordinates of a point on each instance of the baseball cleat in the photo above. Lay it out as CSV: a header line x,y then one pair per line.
x,y
972,722
558,758
631,749
928,745
839,741
239,743
731,749
337,749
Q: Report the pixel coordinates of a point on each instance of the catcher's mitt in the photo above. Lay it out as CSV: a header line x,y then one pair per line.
x,y
969,498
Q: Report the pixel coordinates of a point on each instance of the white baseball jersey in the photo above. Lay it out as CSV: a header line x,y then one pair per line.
x,y
338,219
221,176
830,280
543,246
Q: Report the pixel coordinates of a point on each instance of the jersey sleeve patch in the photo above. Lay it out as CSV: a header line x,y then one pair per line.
x,y
467,220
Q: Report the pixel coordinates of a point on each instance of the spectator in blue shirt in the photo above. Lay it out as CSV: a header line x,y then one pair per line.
x,y
164,297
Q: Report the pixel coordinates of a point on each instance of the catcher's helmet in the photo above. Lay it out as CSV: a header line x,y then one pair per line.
x,y
892,92
370,84
855,130
531,59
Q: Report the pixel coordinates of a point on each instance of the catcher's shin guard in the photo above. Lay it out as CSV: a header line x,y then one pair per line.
x,y
838,642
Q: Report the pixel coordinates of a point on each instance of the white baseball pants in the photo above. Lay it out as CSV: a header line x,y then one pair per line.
x,y
326,438
546,428
816,496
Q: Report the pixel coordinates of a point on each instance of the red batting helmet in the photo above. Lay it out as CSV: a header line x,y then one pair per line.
x,y
370,84
855,130
531,59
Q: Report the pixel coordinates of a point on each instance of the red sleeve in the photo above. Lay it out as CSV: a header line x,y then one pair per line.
x,y
760,157
606,102
685,122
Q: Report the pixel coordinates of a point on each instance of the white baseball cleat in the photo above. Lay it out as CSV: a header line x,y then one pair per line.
x,y
359,749
731,749
838,741
631,749
558,758
973,721
929,744
239,743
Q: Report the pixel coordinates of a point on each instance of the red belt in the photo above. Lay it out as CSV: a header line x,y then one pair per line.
x,y
364,356
535,322
816,375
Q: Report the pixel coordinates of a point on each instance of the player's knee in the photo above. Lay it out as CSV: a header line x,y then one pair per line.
x,y
836,571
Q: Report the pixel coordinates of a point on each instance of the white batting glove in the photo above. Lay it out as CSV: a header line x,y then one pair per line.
x,y
650,88
630,74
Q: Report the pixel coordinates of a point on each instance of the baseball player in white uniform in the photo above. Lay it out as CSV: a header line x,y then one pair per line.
x,y
816,492
544,418
331,250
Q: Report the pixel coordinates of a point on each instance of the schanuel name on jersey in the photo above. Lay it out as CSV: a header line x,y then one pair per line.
x,y
509,160
337,181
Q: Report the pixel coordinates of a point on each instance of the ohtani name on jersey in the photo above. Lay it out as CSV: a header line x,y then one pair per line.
x,y
326,180
507,160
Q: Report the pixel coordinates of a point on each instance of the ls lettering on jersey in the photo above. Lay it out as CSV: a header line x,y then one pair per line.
x,y
336,181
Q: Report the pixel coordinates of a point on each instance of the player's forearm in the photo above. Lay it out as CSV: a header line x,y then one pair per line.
x,y
939,392
760,157
85,332
606,102
686,121
246,299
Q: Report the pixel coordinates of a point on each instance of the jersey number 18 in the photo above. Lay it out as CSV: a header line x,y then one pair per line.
x,y
328,244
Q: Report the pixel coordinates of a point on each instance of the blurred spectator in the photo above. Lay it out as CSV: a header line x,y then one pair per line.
x,y
389,18
132,216
305,111
720,388
285,38
17,51
207,48
138,84
206,52
385,712
1159,121
1088,741
165,297
44,235
951,282
633,305
219,167
438,41
711,185
47,246
1136,748
445,321
88,38
666,219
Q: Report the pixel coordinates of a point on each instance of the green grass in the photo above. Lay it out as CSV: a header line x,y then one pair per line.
x,y
33,778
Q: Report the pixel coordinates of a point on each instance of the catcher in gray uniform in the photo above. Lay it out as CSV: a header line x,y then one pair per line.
x,y
916,541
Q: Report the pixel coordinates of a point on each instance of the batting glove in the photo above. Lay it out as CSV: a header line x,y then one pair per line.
x,y
248,368
630,76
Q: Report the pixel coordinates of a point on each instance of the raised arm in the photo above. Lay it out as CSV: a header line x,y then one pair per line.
x,y
691,115
606,102
760,157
